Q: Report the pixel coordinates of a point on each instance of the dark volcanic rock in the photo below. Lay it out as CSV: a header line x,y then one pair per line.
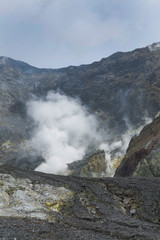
x,y
42,206
93,165
143,154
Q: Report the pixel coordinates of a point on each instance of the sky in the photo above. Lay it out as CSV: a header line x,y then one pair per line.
x,y
60,33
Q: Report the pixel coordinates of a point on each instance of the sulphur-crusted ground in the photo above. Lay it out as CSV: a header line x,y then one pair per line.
x,y
41,206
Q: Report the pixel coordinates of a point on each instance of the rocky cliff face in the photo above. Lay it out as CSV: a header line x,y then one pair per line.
x,y
121,89
41,206
143,154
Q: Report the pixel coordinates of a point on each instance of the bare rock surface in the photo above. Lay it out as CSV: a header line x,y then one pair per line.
x,y
35,205
93,165
143,154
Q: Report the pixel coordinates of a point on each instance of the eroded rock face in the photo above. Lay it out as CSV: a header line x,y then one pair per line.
x,y
142,157
41,206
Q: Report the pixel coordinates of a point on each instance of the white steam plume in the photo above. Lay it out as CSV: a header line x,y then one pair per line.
x,y
64,131
116,149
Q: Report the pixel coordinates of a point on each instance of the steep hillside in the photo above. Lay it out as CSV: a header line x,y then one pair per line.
x,y
143,154
122,89
42,206
124,85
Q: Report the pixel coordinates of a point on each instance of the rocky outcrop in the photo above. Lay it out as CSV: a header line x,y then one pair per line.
x,y
93,165
34,205
142,156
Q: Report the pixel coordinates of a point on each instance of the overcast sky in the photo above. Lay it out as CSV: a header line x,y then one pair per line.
x,y
59,33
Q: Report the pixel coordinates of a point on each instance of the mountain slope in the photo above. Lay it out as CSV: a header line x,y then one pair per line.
x,y
119,86
42,206
143,154
122,89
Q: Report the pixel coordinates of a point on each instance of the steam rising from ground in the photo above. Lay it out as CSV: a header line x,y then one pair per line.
x,y
116,149
65,130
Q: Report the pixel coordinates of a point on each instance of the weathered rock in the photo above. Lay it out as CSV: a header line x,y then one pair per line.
x,y
93,165
20,153
143,154
35,205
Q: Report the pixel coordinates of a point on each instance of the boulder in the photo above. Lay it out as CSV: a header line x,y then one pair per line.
x,y
93,165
